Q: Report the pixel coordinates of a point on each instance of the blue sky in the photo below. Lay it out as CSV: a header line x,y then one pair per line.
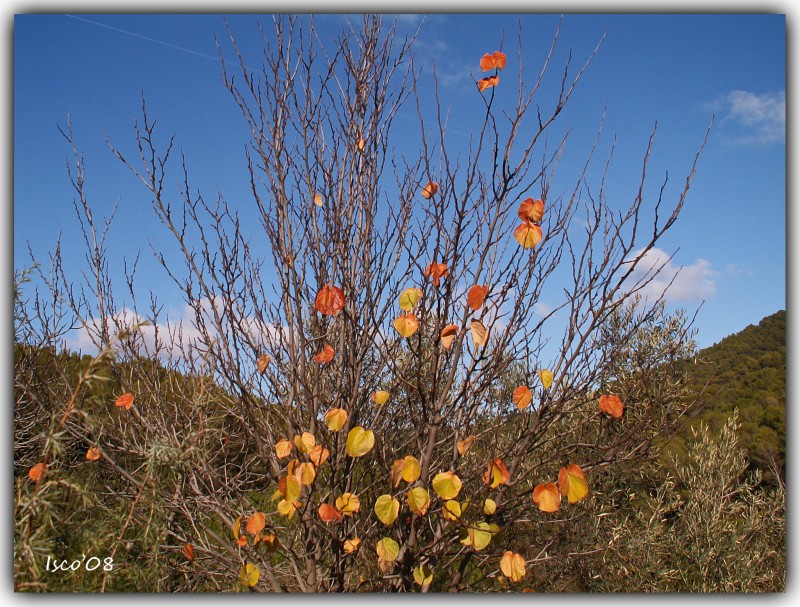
x,y
676,70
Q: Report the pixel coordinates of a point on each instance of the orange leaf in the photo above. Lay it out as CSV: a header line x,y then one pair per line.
x,y
528,235
328,513
318,455
255,523
361,144
547,497
531,210
488,82
283,448
436,271
476,295
351,545
495,60
406,324
335,419
480,335
330,300
430,189
325,356
487,62
572,483
318,200
242,541
448,335
463,446
611,404
522,397
125,401
35,473
262,363
512,566
188,552
496,473
93,454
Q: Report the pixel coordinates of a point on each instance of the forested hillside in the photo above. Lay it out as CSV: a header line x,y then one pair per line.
x,y
747,371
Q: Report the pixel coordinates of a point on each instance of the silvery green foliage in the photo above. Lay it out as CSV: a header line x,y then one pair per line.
x,y
710,528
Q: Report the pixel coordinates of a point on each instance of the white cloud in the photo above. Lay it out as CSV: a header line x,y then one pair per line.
x,y
177,336
757,118
678,283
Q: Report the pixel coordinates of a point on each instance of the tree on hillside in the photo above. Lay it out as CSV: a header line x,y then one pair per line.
x,y
377,412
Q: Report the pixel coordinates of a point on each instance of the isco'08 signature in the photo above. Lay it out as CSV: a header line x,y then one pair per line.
x,y
89,564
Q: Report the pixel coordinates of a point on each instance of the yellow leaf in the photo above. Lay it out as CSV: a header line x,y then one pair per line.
x,y
407,469
237,525
512,566
463,446
283,448
351,545
547,497
528,235
446,485
496,473
386,509
286,508
423,575
479,535
572,483
480,335
290,487
249,574
406,324
335,419
359,442
489,506
305,442
348,503
256,523
306,473
380,397
451,510
409,298
418,500
546,377
387,549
